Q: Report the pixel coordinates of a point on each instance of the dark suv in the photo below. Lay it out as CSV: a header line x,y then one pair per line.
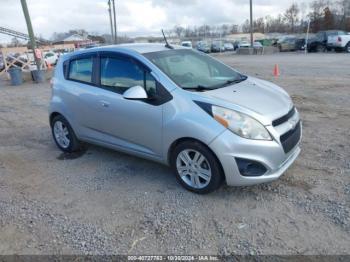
x,y
318,43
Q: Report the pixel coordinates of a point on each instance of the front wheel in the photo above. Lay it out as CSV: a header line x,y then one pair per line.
x,y
196,167
64,135
347,48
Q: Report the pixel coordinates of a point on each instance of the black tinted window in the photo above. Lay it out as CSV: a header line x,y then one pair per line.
x,y
81,70
123,73
120,73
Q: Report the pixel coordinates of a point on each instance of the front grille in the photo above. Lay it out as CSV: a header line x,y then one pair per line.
x,y
284,118
291,138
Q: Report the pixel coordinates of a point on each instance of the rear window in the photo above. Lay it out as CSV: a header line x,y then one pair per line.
x,y
81,70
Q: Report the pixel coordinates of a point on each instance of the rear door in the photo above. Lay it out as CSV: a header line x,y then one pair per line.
x,y
79,92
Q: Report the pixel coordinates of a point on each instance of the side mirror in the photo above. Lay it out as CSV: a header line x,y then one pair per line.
x,y
135,93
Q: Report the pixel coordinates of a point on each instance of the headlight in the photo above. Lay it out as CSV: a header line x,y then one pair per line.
x,y
240,124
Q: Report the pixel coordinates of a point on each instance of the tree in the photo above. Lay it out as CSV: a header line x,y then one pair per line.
x,y
259,25
233,29
344,13
275,24
316,15
291,16
179,31
246,26
328,22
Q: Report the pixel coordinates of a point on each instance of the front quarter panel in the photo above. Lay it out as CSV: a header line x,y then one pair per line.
x,y
185,119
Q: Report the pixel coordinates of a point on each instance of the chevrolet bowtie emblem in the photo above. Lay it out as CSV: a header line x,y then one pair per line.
x,y
292,123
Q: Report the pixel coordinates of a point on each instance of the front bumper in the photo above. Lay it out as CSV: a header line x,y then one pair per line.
x,y
229,146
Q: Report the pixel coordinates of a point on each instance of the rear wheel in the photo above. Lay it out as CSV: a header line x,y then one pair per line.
x,y
320,48
64,135
196,167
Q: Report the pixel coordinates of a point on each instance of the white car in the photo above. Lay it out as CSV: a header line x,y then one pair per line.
x,y
51,58
339,42
245,44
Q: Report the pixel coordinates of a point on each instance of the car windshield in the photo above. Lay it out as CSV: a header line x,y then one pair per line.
x,y
193,70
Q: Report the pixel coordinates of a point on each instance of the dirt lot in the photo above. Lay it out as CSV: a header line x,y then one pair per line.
x,y
105,202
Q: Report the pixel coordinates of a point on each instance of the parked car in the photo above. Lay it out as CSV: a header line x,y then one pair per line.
x,y
319,43
300,44
340,42
51,58
203,47
229,46
217,46
246,44
2,65
257,45
287,44
243,44
236,45
186,44
179,107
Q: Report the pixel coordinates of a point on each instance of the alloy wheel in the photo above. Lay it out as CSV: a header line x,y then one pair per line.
x,y
193,168
61,134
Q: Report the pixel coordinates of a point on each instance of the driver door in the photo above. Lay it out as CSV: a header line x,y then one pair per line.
x,y
135,125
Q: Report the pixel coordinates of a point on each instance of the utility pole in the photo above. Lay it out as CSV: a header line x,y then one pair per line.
x,y
30,32
115,23
251,24
307,35
110,20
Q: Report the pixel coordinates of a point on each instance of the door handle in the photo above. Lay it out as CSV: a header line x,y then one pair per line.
x,y
104,103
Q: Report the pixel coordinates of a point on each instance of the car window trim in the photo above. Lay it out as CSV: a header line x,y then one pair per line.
x,y
78,57
162,94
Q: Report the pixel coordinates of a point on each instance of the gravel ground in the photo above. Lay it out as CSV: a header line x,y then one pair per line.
x,y
105,202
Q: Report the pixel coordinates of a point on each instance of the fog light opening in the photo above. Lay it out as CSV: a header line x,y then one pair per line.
x,y
250,168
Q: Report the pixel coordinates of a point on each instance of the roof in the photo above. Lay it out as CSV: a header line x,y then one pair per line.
x,y
74,37
143,48
138,48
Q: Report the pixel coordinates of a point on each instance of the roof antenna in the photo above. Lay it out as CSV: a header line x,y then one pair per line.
x,y
166,41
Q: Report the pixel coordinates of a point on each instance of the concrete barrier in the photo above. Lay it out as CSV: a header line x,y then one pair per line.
x,y
257,51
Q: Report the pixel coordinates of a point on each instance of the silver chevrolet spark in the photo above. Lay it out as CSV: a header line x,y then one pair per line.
x,y
179,107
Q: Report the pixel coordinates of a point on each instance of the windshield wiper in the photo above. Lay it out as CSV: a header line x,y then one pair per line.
x,y
202,88
234,81
199,88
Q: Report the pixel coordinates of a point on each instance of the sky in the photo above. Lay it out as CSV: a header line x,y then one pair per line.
x,y
134,17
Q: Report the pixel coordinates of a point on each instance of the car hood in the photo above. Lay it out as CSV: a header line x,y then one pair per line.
x,y
261,97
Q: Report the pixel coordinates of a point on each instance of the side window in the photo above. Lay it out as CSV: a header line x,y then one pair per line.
x,y
150,84
81,70
120,73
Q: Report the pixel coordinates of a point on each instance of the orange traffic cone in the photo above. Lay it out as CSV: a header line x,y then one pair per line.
x,y
276,71
49,67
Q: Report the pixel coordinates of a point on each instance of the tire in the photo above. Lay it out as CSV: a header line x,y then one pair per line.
x,y
320,49
347,48
338,50
71,143
202,176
